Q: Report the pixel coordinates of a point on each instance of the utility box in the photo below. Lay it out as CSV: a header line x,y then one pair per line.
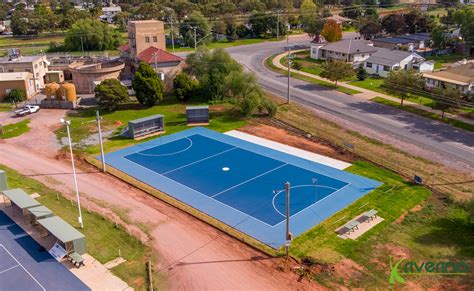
x,y
197,115
3,181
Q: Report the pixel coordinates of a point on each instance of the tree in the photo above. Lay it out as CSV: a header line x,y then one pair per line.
x,y
417,22
332,31
184,87
147,85
369,28
310,19
402,82
464,18
336,70
149,11
109,93
16,95
18,24
91,35
394,24
438,39
196,22
361,73
445,99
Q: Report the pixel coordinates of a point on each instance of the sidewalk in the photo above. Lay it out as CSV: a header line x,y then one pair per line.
x,y
365,93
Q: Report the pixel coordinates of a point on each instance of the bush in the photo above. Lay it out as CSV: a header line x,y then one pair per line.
x,y
361,73
16,95
269,107
109,93
147,85
184,87
249,104
296,65
309,261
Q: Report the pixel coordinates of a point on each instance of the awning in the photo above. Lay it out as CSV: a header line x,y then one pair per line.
x,y
59,228
40,212
20,198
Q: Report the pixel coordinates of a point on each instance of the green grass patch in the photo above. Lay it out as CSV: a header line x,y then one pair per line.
x,y
269,64
224,44
434,116
4,107
15,129
224,117
104,239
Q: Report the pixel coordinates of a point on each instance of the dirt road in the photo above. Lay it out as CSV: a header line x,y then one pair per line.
x,y
192,254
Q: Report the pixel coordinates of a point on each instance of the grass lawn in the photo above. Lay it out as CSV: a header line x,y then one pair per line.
x,y
269,64
103,239
453,122
223,44
224,117
5,107
15,129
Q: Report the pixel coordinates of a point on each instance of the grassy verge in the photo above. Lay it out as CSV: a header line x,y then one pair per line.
x,y
5,107
15,129
224,117
186,208
104,240
224,44
434,116
269,64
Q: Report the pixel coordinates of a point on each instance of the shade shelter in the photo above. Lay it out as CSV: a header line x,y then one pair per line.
x,y
197,115
69,237
3,181
39,212
146,126
21,199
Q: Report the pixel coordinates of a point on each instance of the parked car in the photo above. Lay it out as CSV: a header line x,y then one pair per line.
x,y
28,109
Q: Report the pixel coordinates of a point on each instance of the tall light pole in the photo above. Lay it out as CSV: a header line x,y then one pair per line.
x,y
195,37
288,59
67,123
102,156
172,32
288,234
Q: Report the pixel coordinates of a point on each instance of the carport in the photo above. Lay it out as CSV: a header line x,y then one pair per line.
x,y
68,237
21,199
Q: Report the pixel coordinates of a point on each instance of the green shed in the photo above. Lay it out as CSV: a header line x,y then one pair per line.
x,y
69,238
21,199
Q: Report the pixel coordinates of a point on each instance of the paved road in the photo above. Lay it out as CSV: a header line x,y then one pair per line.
x,y
445,140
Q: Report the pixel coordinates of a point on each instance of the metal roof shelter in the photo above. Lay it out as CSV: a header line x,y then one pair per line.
x,y
21,199
197,115
40,212
71,238
3,180
146,126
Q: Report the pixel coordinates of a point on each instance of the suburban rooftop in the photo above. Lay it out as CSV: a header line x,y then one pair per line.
x,y
350,46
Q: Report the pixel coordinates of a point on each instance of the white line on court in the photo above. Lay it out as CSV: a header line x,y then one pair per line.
x,y
1,272
300,186
32,277
251,179
169,154
198,161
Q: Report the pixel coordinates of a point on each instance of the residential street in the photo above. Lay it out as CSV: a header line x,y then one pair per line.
x,y
447,144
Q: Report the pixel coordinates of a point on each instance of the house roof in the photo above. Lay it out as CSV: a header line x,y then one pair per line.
x,y
15,76
417,36
20,198
350,46
406,38
162,56
388,57
460,75
394,40
124,48
59,228
22,59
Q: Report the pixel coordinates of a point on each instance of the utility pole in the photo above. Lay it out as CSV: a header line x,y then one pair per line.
x,y
82,46
98,118
278,23
67,123
195,37
288,59
172,32
288,234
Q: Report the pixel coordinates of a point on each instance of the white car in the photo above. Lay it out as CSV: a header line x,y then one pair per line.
x,y
28,109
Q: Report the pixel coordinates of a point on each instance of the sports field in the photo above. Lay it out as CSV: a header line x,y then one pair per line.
x,y
240,183
25,265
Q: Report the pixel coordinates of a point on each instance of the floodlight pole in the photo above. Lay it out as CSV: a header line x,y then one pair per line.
x,y
288,60
102,156
67,123
288,236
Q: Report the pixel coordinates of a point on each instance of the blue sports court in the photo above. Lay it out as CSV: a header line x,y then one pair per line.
x,y
24,265
240,183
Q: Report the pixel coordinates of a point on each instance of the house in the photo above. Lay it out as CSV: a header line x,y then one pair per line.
x,y
457,78
412,42
383,61
145,33
109,13
348,50
15,62
17,80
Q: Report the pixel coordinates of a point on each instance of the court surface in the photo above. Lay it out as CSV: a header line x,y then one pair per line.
x,y
25,266
240,183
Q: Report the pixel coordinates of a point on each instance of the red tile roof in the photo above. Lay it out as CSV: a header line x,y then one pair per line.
x,y
124,48
161,56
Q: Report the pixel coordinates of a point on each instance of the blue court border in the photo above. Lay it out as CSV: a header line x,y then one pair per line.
x,y
271,235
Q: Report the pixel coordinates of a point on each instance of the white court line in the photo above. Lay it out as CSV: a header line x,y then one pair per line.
x,y
251,179
1,245
169,154
300,186
198,161
9,269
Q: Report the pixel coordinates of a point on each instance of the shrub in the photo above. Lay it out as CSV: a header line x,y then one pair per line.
x,y
296,65
249,104
269,107
16,95
109,93
184,87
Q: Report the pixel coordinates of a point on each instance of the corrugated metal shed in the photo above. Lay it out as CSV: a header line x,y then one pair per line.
x,y
63,231
144,119
20,198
